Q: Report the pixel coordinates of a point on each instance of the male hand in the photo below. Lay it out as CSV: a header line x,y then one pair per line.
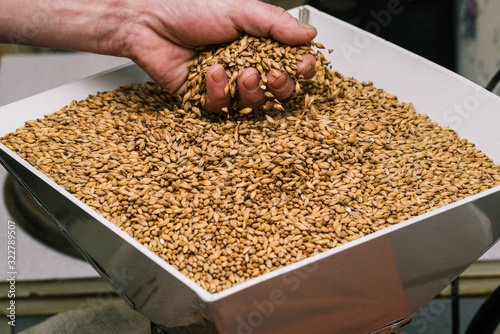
x,y
161,37
163,43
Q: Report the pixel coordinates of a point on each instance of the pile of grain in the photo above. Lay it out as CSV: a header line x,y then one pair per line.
x,y
230,199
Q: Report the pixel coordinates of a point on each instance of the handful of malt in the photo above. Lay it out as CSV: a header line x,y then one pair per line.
x,y
264,54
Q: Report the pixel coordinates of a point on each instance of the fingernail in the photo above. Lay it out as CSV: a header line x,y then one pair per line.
x,y
219,75
252,82
280,82
306,70
306,25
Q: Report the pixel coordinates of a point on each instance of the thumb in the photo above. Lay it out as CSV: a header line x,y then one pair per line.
x,y
263,20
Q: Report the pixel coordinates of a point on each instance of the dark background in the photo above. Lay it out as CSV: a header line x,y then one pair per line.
x,y
425,27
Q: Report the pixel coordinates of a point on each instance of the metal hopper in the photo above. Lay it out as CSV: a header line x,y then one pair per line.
x,y
370,285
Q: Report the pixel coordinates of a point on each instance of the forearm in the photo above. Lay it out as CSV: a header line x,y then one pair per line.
x,y
80,25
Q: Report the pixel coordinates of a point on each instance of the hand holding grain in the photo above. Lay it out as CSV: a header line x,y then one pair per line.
x,y
164,45
160,36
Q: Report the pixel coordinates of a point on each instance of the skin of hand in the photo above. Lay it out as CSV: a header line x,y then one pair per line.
x,y
161,36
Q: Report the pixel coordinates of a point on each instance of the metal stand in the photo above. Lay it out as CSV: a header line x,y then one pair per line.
x,y
487,319
157,330
455,307
208,328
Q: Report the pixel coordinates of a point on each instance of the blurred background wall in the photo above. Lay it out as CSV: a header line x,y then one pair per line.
x,y
478,39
